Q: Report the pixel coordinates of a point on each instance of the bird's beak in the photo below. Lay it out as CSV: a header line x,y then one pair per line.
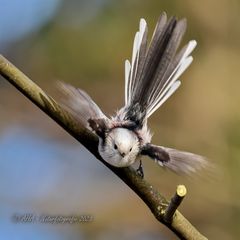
x,y
122,154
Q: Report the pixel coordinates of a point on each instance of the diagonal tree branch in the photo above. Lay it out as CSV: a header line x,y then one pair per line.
x,y
152,198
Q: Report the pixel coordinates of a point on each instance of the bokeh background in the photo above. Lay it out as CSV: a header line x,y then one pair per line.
x,y
45,171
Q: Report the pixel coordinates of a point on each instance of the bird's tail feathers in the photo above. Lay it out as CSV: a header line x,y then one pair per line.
x,y
153,75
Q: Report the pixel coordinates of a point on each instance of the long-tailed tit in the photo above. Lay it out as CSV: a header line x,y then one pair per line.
x,y
150,79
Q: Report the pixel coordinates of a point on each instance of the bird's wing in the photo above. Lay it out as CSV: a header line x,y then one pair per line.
x,y
79,104
175,160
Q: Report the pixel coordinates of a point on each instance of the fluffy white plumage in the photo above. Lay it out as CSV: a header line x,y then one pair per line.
x,y
121,148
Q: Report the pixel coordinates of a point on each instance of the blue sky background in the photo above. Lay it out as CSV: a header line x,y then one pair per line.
x,y
19,18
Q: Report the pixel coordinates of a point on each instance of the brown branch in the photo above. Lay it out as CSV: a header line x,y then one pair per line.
x,y
152,198
175,202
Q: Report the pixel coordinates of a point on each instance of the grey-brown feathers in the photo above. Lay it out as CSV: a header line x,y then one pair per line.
x,y
152,76
79,104
175,160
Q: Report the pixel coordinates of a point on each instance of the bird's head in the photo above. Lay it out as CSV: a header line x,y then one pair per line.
x,y
121,147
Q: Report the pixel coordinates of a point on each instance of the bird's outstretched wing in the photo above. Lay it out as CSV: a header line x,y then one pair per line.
x,y
175,160
79,104
153,75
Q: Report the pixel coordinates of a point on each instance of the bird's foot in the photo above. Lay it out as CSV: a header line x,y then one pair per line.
x,y
140,170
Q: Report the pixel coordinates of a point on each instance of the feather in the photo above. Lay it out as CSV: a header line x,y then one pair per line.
x,y
184,162
164,97
79,104
138,54
175,160
152,77
127,75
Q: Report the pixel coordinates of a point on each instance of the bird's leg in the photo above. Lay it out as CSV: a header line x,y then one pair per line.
x,y
140,169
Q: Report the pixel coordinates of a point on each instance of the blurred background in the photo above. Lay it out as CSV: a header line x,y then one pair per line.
x,y
45,171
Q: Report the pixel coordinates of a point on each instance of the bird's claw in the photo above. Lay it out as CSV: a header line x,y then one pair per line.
x,y
140,170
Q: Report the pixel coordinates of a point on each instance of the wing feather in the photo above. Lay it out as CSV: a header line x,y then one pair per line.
x,y
178,161
79,104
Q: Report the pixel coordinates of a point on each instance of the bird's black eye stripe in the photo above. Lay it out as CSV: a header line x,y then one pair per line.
x,y
115,146
130,149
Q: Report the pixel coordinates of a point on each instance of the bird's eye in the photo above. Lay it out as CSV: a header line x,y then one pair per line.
x,y
115,146
130,149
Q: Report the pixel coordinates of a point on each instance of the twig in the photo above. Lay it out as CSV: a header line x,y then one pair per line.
x,y
175,202
153,199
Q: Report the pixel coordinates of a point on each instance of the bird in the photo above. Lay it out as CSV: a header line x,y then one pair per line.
x,y
151,78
